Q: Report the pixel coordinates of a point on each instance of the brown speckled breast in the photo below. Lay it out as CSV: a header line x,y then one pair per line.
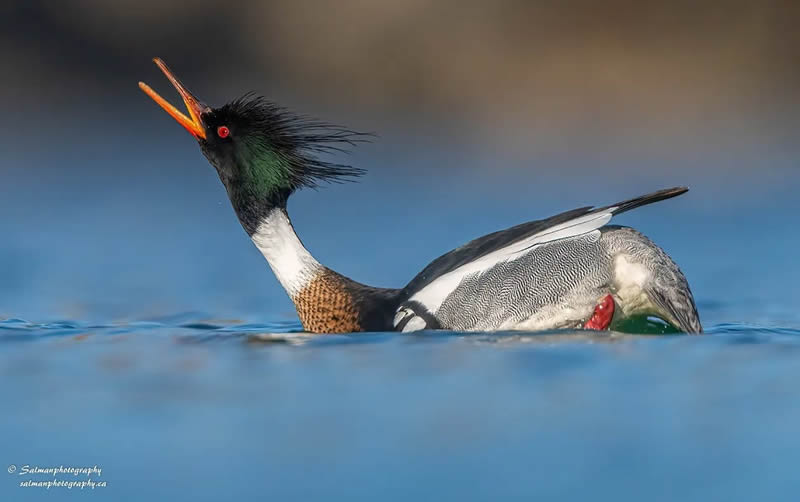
x,y
326,306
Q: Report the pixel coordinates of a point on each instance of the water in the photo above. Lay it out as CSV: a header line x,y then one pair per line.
x,y
228,411
141,332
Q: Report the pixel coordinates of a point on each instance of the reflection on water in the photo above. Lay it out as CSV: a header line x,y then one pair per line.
x,y
264,410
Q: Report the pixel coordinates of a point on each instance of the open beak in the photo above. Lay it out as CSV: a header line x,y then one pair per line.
x,y
192,123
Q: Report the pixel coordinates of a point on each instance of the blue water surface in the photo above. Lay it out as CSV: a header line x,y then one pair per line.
x,y
141,332
227,411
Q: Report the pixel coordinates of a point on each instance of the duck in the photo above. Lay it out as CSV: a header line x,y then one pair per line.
x,y
573,270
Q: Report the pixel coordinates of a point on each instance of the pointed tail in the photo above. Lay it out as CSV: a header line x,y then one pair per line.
x,y
627,205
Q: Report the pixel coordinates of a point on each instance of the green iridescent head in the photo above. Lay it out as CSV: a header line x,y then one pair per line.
x,y
261,151
262,148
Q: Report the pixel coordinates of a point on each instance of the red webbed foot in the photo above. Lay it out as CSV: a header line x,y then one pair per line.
x,y
603,313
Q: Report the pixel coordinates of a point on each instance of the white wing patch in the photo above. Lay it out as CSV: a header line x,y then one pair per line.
x,y
413,321
415,324
432,295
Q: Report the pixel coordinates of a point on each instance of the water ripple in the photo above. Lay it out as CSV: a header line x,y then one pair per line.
x,y
202,330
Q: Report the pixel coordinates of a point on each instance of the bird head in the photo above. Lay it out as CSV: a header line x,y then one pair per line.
x,y
261,151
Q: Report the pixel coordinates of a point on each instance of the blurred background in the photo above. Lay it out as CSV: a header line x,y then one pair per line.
x,y
487,114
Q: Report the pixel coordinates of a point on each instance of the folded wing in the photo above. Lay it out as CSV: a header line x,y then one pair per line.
x,y
428,290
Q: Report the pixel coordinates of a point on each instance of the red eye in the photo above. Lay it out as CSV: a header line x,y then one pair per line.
x,y
223,132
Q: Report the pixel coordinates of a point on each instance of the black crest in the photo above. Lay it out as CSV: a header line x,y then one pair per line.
x,y
297,139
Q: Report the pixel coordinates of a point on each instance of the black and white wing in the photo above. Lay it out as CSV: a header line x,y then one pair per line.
x,y
446,276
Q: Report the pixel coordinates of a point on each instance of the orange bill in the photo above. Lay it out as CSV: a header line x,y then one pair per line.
x,y
192,123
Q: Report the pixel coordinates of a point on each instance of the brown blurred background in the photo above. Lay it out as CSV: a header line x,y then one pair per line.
x,y
643,74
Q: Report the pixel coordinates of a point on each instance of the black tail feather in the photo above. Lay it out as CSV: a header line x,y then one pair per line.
x,y
643,200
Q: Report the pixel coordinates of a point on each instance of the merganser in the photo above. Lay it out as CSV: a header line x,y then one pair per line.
x,y
571,270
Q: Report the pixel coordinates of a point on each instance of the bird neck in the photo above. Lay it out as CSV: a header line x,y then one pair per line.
x,y
326,301
291,262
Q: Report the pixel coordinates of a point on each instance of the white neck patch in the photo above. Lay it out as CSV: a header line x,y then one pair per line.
x,y
291,262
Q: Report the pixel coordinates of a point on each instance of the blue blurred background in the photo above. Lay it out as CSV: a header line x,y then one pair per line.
x,y
487,115
117,239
